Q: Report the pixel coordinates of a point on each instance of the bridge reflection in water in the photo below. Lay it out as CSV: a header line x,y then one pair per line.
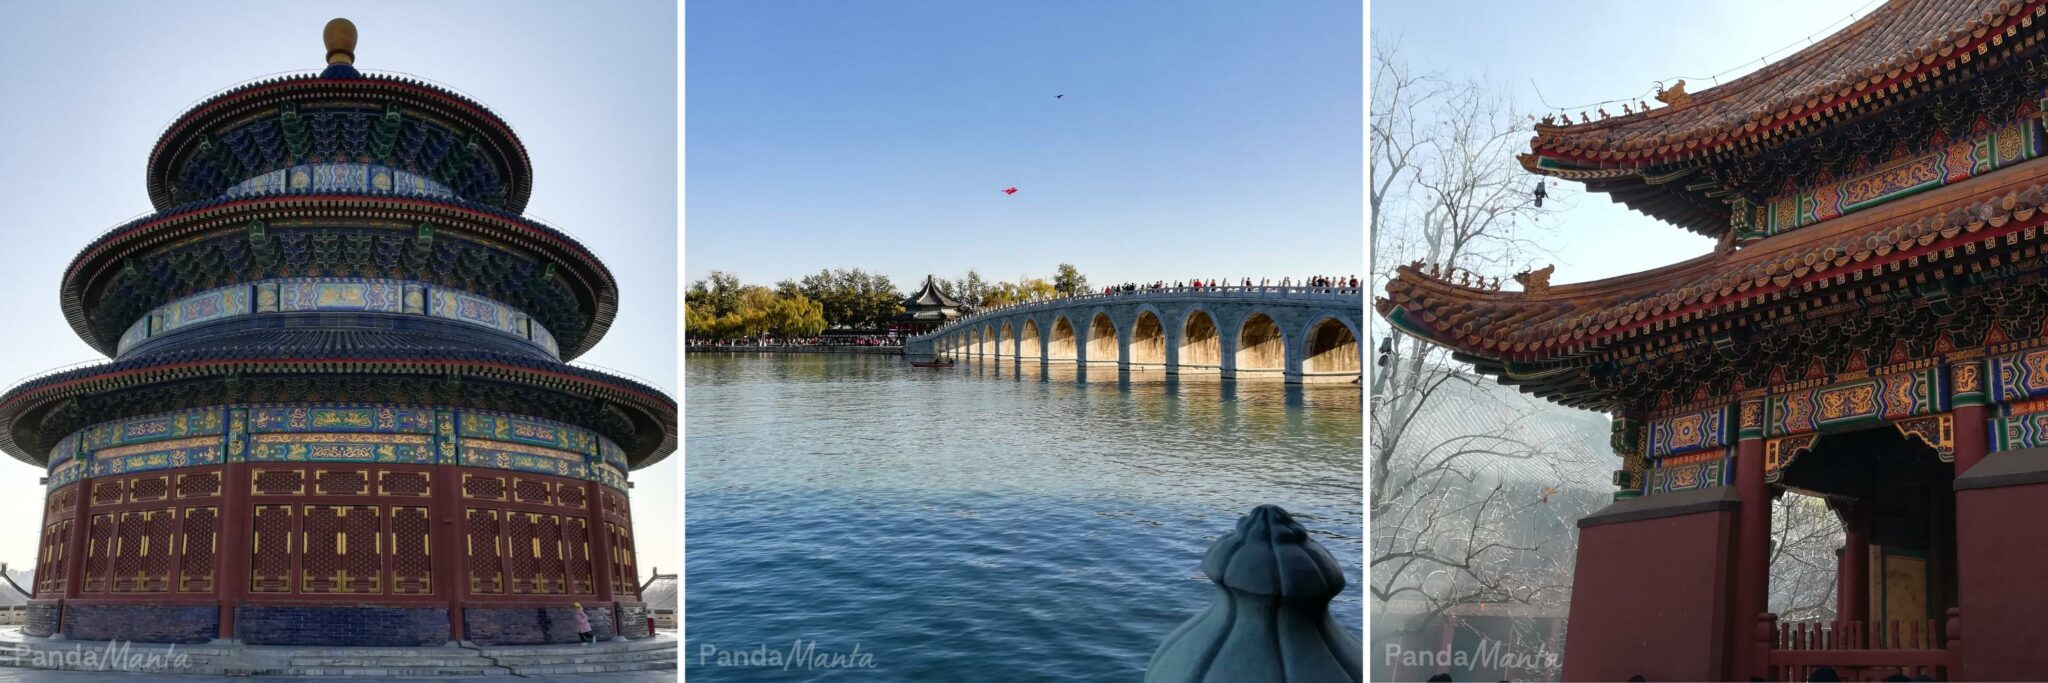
x,y
1295,334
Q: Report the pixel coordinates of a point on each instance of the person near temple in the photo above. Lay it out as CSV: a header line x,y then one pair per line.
x,y
583,633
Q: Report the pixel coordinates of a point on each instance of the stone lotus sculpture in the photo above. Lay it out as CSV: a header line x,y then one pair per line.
x,y
1271,619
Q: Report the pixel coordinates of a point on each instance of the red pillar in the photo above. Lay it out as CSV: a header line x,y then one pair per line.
x,y
231,584
81,534
1752,553
1973,436
1855,565
451,534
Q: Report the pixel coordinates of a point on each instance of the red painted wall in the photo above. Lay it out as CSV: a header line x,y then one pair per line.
x,y
2002,549
1651,597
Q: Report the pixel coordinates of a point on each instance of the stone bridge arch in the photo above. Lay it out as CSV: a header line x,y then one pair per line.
x,y
1145,348
1030,342
1329,349
1006,338
990,347
1260,351
1101,345
1063,342
1198,345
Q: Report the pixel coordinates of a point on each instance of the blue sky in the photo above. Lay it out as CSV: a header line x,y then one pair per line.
x,y
1195,139
590,89
1579,53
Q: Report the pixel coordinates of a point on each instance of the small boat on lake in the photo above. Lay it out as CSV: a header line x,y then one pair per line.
x,y
933,363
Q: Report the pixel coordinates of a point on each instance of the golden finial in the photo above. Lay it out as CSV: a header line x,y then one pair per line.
x,y
340,35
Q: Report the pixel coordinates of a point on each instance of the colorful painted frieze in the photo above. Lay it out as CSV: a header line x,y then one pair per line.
x,y
1689,432
463,306
377,419
67,473
523,458
132,336
1688,477
2019,376
159,455
545,339
226,302
336,294
1859,402
360,447
340,177
149,428
1945,162
524,430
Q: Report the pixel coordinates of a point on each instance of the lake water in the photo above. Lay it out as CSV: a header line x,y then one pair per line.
x,y
978,523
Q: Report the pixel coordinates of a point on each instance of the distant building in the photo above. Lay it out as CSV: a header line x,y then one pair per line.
x,y
660,595
927,310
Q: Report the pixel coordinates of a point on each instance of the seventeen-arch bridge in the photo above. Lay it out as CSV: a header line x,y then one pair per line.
x,y
1296,334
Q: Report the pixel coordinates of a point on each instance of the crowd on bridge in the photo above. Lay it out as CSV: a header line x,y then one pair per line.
x,y
1321,282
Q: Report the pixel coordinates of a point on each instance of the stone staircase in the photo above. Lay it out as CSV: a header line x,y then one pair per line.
x,y
656,653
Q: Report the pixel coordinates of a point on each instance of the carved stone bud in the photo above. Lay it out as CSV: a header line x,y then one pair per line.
x,y
1271,618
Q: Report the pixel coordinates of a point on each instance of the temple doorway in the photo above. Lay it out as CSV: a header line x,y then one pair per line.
x,y
1897,505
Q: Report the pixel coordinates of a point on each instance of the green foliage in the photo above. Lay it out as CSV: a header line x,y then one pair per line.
x,y
720,307
1069,281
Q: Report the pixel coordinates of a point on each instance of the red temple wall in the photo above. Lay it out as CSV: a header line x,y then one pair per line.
x,y
1662,560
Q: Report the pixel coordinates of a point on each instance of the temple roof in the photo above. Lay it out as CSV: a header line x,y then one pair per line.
x,y
1541,338
929,297
1646,159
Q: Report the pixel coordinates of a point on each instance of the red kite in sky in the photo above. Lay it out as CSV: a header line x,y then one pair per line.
x,y
1009,190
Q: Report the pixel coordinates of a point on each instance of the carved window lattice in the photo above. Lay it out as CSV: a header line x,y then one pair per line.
x,y
50,571
106,493
405,484
270,548
519,563
486,552
531,491
143,553
195,571
483,487
99,553
320,537
278,483
201,485
363,550
341,482
623,573
411,551
576,555
570,495
146,489
160,549
548,564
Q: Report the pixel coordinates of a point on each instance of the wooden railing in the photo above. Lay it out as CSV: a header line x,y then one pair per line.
x,y
1859,650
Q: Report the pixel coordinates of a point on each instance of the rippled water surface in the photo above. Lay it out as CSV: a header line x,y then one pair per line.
x,y
981,523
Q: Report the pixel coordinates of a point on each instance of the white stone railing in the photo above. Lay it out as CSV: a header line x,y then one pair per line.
x,y
1268,292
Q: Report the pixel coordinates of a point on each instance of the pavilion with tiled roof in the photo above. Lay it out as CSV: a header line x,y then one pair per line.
x,y
1871,328
339,409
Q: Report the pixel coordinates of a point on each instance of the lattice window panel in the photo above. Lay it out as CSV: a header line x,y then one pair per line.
x,y
405,484
62,501
486,552
99,553
576,555
199,485
624,576
519,562
195,568
320,558
549,574
341,482
128,533
106,493
412,558
278,482
148,489
570,495
270,549
54,564
483,487
532,491
160,549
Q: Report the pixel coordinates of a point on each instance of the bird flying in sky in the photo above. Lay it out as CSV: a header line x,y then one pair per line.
x,y
1059,96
